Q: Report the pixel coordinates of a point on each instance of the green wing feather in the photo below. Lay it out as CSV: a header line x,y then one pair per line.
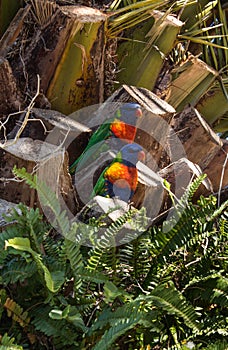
x,y
92,154
100,184
101,180
101,134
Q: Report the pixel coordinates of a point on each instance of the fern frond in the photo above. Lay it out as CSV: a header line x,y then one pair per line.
x,y
59,329
16,312
53,280
47,198
219,211
191,190
112,235
7,343
178,236
73,253
53,248
70,314
192,223
109,317
120,328
120,321
17,270
171,300
9,233
223,229
213,290
93,276
135,257
42,322
218,345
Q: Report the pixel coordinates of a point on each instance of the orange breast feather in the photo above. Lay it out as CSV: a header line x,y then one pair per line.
x,y
119,174
123,131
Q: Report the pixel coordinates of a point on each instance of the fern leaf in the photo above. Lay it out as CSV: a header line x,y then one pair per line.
x,y
70,314
16,312
9,233
109,238
73,253
192,222
53,280
135,257
219,211
193,187
47,198
172,301
218,345
108,317
121,321
7,343
17,269
60,330
213,289
115,332
93,276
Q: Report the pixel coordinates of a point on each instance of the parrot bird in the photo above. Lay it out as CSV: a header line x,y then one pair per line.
x,y
120,179
121,126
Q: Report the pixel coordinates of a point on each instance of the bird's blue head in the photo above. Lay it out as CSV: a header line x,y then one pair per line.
x,y
129,112
131,153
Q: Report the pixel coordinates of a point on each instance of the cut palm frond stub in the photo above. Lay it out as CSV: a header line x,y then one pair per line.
x,y
193,78
142,55
79,77
214,105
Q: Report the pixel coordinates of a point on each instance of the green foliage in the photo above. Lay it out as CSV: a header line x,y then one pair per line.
x,y
7,343
219,345
47,198
161,288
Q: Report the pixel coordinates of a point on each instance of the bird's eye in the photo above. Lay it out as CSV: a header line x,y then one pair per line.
x,y
138,112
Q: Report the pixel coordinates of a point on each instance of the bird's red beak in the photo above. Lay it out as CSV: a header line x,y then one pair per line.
x,y
141,156
138,112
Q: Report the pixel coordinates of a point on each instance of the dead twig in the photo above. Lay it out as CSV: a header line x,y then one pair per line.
x,y
26,117
3,125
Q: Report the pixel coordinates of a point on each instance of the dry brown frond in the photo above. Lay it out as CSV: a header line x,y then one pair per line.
x,y
43,11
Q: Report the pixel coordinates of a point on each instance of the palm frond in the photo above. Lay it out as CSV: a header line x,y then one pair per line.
x,y
43,11
131,15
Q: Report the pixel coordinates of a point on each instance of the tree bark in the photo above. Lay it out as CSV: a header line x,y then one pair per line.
x,y
5,210
179,175
57,129
217,169
10,97
64,46
48,161
200,142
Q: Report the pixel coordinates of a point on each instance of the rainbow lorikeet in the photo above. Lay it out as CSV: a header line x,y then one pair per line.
x,y
121,126
120,179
